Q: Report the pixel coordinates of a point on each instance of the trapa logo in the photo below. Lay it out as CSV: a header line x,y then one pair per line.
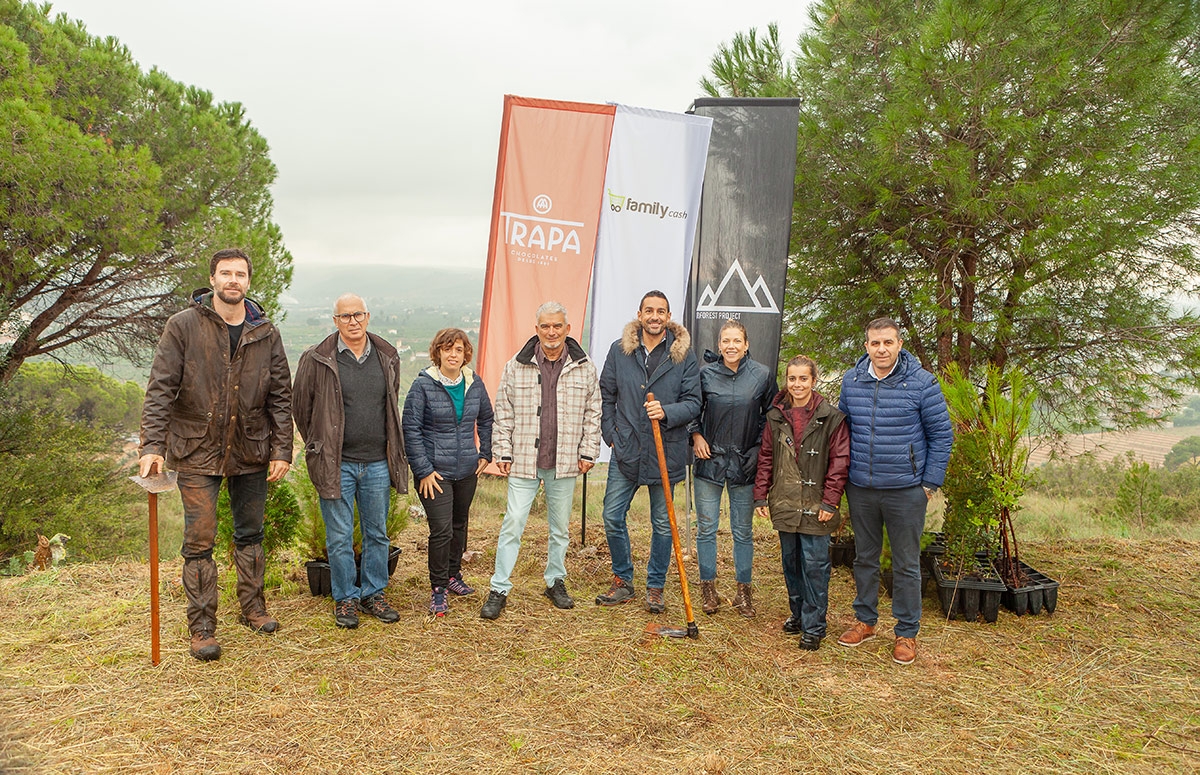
x,y
542,204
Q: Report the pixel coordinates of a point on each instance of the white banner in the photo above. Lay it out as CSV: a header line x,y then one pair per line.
x,y
648,220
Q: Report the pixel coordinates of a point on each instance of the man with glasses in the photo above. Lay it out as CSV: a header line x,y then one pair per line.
x,y
218,408
346,406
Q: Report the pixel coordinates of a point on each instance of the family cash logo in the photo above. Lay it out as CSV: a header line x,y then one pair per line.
x,y
620,203
536,238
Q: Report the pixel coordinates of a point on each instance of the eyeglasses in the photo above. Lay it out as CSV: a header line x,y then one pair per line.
x,y
346,317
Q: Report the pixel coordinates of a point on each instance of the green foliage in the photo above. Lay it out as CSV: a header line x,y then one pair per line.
x,y
80,393
1189,415
62,476
987,474
1017,183
115,187
1186,452
281,519
1139,496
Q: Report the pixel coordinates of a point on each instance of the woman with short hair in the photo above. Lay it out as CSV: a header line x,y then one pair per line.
x,y
446,406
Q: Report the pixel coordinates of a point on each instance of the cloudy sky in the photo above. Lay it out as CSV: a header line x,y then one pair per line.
x,y
383,117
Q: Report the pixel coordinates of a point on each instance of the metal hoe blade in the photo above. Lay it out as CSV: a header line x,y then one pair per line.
x,y
156,483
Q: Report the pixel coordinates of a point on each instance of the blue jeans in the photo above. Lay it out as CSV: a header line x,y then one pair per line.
x,y
368,485
806,574
559,495
741,525
903,511
618,494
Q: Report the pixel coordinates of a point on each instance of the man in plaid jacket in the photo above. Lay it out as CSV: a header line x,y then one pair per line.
x,y
547,430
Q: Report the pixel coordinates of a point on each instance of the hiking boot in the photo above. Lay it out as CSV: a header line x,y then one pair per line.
x,y
712,601
810,642
378,607
619,592
345,613
792,626
437,602
494,605
205,647
743,601
905,651
857,634
251,564
654,600
557,592
260,621
457,586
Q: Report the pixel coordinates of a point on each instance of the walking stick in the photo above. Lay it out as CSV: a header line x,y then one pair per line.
x,y
657,629
154,484
583,521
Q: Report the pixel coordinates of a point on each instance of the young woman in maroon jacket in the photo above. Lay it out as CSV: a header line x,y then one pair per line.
x,y
803,463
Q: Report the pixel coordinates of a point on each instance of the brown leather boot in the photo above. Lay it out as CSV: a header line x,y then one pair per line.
x,y
712,601
200,587
743,601
251,564
204,646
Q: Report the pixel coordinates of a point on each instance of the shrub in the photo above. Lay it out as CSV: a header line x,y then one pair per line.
x,y
281,518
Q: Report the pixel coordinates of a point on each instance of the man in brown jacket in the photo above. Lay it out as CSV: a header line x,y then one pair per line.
x,y
219,406
347,408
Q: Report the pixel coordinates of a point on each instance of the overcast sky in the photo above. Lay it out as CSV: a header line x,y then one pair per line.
x,y
384,117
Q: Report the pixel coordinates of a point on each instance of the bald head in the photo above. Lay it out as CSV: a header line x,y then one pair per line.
x,y
349,302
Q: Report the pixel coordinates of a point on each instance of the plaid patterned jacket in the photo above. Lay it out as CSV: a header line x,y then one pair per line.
x,y
518,403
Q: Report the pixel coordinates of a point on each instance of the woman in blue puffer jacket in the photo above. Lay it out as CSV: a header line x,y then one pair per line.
x,y
736,393
445,407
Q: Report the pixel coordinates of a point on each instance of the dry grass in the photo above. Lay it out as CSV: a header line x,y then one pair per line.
x,y
1109,683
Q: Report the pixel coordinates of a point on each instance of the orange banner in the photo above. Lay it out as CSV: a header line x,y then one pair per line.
x,y
545,216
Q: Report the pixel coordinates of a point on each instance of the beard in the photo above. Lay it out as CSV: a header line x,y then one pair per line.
x,y
231,297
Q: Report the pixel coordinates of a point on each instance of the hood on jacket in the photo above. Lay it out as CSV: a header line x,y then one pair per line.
x,y
203,297
432,372
574,349
906,364
679,348
780,401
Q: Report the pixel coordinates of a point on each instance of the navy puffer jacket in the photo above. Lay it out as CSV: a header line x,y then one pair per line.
x,y
624,384
434,439
733,410
900,433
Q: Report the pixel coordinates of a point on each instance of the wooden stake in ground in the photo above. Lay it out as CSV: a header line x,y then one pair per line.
x,y
658,629
153,485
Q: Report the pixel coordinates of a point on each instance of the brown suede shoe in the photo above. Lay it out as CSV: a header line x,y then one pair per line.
x,y
654,600
712,601
260,621
905,651
857,634
743,601
205,647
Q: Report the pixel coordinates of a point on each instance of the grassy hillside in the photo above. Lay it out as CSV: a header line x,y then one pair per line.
x,y
1108,683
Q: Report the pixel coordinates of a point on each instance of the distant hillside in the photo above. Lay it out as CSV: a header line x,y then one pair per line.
x,y
384,286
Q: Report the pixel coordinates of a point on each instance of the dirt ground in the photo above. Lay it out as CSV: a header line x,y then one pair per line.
x,y
1109,683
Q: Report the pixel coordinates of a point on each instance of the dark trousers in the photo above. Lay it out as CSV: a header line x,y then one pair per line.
x,y
447,512
903,512
806,573
247,500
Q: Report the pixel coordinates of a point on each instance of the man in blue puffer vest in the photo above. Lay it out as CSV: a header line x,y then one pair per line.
x,y
900,437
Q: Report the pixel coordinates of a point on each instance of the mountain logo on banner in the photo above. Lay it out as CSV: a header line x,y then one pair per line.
x,y
542,204
759,295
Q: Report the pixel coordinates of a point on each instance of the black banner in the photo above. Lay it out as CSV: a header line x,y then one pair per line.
x,y
739,267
